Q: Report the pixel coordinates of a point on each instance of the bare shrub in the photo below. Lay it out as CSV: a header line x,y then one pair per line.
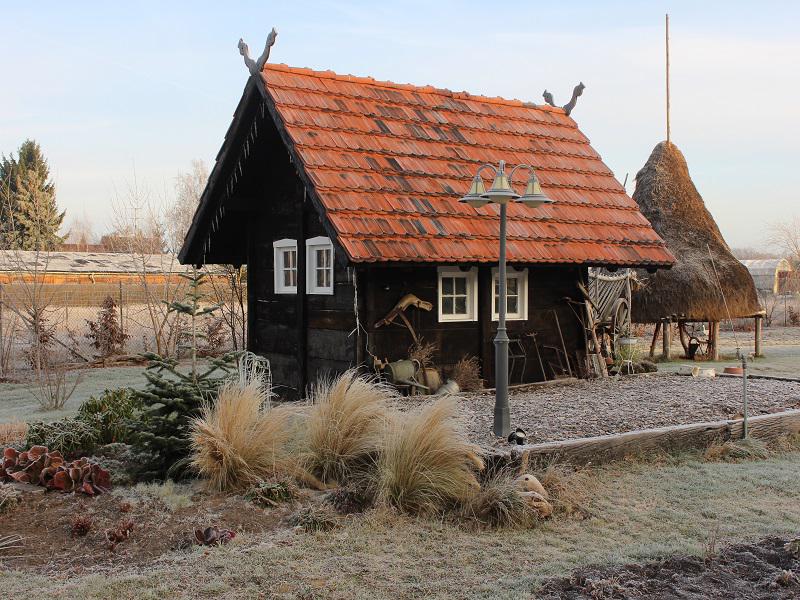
x,y
52,388
467,374
426,463
239,440
345,424
214,337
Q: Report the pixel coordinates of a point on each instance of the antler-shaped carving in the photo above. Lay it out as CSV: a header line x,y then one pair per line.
x,y
399,311
575,93
255,66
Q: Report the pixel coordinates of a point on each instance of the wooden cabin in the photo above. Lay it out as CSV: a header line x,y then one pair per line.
x,y
340,193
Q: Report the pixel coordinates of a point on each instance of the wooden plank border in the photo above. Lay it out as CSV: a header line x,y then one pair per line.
x,y
608,448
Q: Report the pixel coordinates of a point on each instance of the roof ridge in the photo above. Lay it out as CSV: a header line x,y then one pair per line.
x,y
425,89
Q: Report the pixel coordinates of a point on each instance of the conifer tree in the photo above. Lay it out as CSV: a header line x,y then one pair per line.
x,y
172,398
29,217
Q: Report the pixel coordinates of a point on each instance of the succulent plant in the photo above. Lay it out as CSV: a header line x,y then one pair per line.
x,y
213,536
49,469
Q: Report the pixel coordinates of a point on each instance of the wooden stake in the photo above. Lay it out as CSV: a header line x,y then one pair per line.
x,y
667,44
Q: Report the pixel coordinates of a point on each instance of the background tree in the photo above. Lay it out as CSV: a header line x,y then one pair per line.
x,y
29,218
188,189
785,235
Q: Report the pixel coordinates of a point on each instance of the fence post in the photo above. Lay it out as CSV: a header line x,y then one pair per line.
x,y
2,338
121,324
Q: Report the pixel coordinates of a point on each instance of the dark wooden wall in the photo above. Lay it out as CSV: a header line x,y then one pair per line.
x,y
303,336
381,287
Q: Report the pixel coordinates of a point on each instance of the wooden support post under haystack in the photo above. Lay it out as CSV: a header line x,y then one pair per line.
x,y
759,319
666,339
713,340
656,331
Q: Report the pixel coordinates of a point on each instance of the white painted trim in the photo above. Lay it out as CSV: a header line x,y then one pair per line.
x,y
278,249
521,276
472,294
312,245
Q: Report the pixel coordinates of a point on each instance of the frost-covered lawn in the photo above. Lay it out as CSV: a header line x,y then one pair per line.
x,y
637,512
18,400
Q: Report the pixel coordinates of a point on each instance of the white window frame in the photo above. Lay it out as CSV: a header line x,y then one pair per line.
x,y
521,275
312,245
472,294
279,248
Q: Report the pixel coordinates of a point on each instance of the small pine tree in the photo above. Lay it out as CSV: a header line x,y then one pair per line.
x,y
29,217
172,399
106,333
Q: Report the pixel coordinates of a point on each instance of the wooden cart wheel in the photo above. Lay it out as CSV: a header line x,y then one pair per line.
x,y
620,322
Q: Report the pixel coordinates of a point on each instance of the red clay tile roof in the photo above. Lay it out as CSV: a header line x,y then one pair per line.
x,y
389,163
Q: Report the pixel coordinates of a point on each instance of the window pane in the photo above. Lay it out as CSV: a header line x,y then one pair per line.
x,y
447,306
287,278
320,277
289,258
511,286
461,285
461,305
512,304
447,286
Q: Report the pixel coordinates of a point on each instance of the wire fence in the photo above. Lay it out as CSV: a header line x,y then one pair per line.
x,y
65,312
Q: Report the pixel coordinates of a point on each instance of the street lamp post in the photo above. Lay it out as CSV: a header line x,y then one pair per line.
x,y
501,193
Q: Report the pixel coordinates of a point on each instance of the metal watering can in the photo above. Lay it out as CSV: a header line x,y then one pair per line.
x,y
403,372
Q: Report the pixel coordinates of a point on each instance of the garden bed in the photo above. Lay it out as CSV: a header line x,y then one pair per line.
x,y
762,570
597,407
163,518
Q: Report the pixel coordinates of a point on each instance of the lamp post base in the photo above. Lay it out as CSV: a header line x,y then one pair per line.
x,y
502,413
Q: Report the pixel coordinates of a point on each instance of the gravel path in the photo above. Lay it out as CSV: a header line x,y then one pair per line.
x,y
602,406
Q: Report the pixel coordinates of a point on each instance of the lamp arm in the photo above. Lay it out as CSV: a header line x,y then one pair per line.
x,y
486,166
522,166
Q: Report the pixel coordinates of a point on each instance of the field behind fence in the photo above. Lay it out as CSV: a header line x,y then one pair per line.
x,y
139,308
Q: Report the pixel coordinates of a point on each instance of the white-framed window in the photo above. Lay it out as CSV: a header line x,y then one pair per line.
x,y
458,294
319,266
285,252
516,294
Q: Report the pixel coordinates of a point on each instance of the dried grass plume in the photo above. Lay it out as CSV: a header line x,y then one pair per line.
x,y
239,439
426,463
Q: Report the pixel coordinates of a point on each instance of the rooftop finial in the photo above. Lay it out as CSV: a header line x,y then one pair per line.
x,y
575,93
548,97
255,66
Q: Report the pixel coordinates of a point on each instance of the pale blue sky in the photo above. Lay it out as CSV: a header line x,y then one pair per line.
x,y
113,89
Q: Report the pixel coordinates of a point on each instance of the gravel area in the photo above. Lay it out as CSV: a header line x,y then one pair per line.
x,y
604,406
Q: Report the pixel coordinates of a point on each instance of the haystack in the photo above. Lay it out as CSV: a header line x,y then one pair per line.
x,y
689,290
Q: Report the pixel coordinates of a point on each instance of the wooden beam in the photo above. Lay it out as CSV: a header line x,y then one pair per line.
x,y
666,339
607,448
656,331
759,322
714,349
